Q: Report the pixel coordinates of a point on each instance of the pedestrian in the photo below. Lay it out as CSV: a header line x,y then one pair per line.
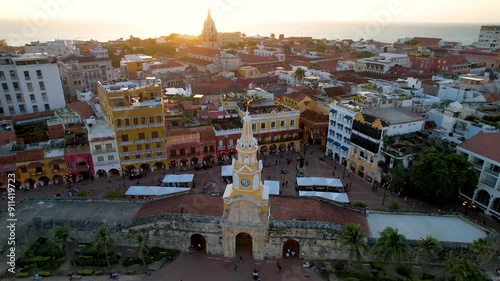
x,y
182,210
241,259
333,173
109,180
286,183
405,198
293,253
279,268
287,255
350,184
307,163
235,268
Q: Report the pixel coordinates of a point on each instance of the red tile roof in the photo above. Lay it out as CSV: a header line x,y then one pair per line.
x,y
335,91
282,208
30,155
427,41
202,51
314,118
189,60
484,144
253,59
296,96
492,97
82,108
170,64
455,59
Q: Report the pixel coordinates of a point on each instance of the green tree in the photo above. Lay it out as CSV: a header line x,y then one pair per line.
x,y
299,74
141,243
320,48
391,245
463,270
103,242
483,248
364,54
287,49
429,246
439,175
399,175
353,238
62,237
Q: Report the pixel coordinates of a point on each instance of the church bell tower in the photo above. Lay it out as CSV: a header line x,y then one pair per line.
x,y
209,33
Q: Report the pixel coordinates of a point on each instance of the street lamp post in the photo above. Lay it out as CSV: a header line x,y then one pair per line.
x,y
385,186
123,177
344,163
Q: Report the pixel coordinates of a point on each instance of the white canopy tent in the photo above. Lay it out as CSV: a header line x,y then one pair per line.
x,y
170,180
274,187
154,190
339,197
227,171
317,181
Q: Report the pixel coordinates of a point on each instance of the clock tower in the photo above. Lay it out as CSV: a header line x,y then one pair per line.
x,y
246,200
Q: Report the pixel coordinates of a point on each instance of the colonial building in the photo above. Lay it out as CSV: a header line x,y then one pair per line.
x,y
213,39
56,48
489,37
483,152
369,132
189,148
134,111
132,65
315,126
82,73
30,84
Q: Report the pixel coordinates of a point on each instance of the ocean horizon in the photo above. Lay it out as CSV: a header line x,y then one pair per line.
x,y
20,32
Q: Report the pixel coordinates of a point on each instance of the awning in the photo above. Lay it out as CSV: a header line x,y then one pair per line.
x,y
332,131
330,140
183,178
227,171
345,148
348,117
274,187
339,197
333,111
35,165
337,144
154,190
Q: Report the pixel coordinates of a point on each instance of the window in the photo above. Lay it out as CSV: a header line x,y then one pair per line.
x,y
100,158
125,149
44,97
118,122
32,97
109,146
142,136
137,156
292,123
39,74
273,125
127,122
282,123
24,170
2,75
143,120
139,147
192,150
11,110
212,149
1,110
98,147
47,106
154,134
136,121
183,152
158,119
42,85
151,119
5,87
147,146
15,85
13,74
111,157
172,153
205,149
35,108
26,75
254,127
263,126
7,98
19,97
30,87
124,137
22,108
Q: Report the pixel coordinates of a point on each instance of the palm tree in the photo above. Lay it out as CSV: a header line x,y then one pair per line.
x,y
142,247
483,249
430,246
353,238
391,245
462,270
62,236
103,242
299,74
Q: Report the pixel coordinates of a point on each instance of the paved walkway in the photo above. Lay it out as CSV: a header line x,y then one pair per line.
x,y
199,267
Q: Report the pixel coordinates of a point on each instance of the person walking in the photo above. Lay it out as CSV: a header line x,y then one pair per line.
x,y
241,259
235,268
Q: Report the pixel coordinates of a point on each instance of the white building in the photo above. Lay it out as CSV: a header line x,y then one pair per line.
x,y
30,83
103,145
483,152
54,48
99,52
339,130
489,37
382,63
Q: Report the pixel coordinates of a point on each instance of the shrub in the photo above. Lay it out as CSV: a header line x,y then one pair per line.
x,y
377,265
22,274
339,266
129,271
428,276
85,272
44,273
394,205
382,276
39,259
82,193
360,204
404,270
98,272
115,194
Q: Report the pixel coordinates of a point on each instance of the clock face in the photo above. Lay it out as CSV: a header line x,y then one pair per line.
x,y
245,182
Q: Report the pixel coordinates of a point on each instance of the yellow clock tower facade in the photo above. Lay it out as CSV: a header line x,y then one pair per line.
x,y
246,200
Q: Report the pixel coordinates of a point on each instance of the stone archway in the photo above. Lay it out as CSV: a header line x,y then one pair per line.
x,y
282,147
43,179
58,179
263,150
84,175
291,147
101,173
483,197
145,167
199,242
292,247
496,205
159,165
244,245
113,172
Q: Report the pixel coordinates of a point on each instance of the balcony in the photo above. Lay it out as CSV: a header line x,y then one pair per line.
x,y
105,150
491,172
488,183
82,168
107,162
144,160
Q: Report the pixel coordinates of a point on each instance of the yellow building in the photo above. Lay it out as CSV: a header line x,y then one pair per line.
x,y
133,64
134,111
41,163
297,101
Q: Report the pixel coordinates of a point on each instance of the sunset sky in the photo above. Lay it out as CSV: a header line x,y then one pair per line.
x,y
186,16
